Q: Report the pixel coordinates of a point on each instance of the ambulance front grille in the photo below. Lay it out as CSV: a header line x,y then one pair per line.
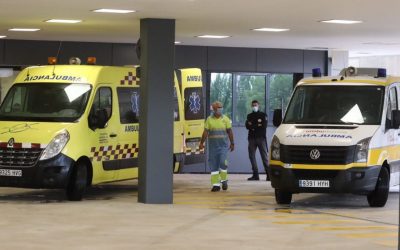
x,y
328,155
19,157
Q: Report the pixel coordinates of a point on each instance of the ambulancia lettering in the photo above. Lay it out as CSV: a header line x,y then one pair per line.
x,y
320,136
53,77
131,128
193,78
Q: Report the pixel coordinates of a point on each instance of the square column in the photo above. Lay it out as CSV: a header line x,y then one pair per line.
x,y
157,41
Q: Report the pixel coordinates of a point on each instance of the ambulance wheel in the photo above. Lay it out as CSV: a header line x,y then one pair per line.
x,y
77,183
283,197
179,162
379,196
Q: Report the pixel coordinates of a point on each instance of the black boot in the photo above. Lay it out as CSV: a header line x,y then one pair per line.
x,y
267,173
215,188
255,177
224,185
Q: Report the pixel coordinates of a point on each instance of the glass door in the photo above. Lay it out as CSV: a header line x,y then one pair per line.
x,y
236,91
280,87
247,88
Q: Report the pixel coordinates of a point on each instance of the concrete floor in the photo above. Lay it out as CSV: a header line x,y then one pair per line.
x,y
244,217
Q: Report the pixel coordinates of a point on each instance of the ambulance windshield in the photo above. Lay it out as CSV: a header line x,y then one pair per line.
x,y
336,105
49,102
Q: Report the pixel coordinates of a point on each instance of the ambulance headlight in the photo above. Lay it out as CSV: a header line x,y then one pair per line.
x,y
275,149
56,145
361,153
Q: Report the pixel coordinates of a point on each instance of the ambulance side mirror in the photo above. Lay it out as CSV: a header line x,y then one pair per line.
x,y
98,119
277,118
395,119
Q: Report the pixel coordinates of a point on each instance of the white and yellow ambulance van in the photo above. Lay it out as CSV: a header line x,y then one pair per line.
x,y
72,126
339,135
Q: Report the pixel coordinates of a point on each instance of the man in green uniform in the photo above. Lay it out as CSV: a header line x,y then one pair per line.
x,y
218,128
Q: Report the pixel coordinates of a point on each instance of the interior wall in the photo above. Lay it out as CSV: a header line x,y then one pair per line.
x,y
26,52
7,77
391,63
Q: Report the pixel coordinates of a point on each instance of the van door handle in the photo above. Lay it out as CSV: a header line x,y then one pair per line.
x,y
113,135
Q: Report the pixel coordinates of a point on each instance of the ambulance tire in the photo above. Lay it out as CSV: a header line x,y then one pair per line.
x,y
180,159
379,196
283,197
77,183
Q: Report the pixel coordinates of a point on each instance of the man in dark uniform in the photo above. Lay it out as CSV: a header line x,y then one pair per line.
x,y
256,123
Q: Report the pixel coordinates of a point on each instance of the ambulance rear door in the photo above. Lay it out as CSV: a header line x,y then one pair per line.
x,y
190,81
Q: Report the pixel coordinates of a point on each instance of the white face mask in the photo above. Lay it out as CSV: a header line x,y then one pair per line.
x,y
255,108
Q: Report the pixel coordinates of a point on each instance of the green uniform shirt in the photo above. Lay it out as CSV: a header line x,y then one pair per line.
x,y
216,128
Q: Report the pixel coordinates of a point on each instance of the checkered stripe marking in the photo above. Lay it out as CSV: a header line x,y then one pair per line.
x,y
23,145
130,80
114,152
194,151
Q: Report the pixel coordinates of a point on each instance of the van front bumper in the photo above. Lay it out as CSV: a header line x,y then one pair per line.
x,y
354,180
51,173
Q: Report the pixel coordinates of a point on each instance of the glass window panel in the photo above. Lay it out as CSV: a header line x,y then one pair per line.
x,y
280,89
247,89
128,100
221,90
103,100
45,102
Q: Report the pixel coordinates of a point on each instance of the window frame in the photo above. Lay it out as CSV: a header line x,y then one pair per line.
x,y
94,100
137,89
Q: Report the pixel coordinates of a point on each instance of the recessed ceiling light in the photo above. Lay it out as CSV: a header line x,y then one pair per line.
x,y
382,43
63,21
24,29
114,11
338,21
271,29
213,36
2,37
320,48
178,42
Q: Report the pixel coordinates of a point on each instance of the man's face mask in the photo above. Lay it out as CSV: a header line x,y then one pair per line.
x,y
255,108
219,111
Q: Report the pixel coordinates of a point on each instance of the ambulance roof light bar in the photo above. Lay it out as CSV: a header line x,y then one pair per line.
x,y
316,72
372,72
381,72
74,61
91,60
52,60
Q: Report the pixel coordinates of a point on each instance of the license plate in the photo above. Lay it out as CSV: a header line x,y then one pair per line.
x,y
314,183
10,172
192,144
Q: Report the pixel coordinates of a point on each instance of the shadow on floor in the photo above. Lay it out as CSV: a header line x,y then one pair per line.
x,y
347,201
100,192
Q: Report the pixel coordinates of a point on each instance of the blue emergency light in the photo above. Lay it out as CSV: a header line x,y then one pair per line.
x,y
316,72
381,72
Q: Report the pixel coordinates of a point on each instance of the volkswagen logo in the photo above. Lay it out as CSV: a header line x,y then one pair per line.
x,y
315,154
10,143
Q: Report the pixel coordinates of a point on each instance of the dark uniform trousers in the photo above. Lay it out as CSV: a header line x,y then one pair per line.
x,y
256,123
261,144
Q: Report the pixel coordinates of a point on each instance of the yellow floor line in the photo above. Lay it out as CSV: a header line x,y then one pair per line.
x,y
352,228
314,222
368,235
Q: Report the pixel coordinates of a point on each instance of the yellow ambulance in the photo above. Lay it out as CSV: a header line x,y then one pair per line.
x,y
72,126
339,135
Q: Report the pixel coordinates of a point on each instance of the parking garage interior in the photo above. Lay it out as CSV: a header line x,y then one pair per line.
x,y
160,209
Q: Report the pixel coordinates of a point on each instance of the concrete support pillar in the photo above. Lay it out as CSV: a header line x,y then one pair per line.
x,y
157,37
